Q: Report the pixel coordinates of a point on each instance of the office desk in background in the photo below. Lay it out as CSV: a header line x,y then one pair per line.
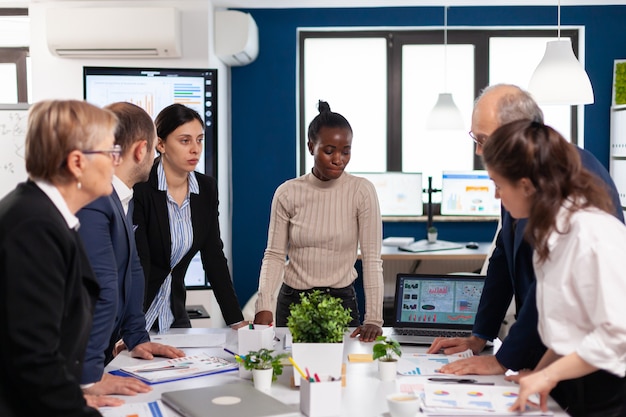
x,y
392,253
363,396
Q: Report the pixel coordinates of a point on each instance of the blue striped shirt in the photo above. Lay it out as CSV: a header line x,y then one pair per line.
x,y
181,230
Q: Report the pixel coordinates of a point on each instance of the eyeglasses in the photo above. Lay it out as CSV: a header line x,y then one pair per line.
x,y
115,153
478,140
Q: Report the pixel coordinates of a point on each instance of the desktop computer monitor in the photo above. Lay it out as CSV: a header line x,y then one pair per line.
x,y
399,193
153,89
156,88
468,193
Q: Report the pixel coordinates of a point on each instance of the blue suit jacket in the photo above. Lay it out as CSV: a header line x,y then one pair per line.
x,y
110,244
510,274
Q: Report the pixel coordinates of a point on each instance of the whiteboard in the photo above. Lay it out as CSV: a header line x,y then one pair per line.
x,y
13,118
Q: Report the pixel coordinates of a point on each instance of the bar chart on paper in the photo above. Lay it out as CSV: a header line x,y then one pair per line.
x,y
427,363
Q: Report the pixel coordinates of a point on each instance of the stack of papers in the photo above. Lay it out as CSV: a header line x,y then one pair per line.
x,y
472,399
180,368
397,241
151,409
189,340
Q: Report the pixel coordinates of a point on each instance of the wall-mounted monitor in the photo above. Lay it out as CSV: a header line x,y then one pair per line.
x,y
468,193
399,193
156,88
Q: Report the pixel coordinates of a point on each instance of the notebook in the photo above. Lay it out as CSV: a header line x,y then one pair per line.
x,y
427,306
237,399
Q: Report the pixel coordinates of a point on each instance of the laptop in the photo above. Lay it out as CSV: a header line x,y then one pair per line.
x,y
427,306
237,399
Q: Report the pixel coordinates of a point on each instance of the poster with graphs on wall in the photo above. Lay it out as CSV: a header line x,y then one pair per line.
x,y
13,119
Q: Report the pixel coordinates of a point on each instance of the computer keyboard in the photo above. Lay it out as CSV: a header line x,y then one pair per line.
x,y
432,332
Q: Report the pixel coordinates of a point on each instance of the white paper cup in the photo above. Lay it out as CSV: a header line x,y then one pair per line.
x,y
402,404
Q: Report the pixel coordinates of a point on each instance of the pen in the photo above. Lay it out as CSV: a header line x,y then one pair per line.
x,y
234,354
317,378
308,375
230,351
295,365
459,381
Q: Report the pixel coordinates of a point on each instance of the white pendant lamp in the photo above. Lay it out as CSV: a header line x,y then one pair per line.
x,y
560,78
445,115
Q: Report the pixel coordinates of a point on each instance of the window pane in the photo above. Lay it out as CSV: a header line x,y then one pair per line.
x,y
351,75
427,71
8,83
29,81
513,61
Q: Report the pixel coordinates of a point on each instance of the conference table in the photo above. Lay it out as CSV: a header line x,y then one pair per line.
x,y
364,394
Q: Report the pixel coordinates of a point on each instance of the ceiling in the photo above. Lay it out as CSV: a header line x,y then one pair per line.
x,y
257,4
286,4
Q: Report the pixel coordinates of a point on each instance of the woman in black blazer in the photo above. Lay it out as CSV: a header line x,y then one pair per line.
x,y
176,215
47,287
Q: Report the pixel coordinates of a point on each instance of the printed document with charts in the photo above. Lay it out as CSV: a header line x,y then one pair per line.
x,y
427,363
473,399
180,368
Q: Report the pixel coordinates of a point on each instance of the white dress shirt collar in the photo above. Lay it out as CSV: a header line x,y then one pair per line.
x,y
123,192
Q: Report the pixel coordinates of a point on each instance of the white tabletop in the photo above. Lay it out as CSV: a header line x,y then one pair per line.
x,y
363,396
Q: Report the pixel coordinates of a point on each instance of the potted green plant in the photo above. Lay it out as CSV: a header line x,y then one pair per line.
x,y
265,366
432,234
318,325
387,351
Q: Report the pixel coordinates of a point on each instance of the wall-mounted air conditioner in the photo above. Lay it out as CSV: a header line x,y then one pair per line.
x,y
236,37
124,32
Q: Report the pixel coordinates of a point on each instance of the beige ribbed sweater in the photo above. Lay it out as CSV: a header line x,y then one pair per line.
x,y
318,225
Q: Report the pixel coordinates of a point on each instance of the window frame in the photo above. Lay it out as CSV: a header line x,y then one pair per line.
x,y
17,56
396,39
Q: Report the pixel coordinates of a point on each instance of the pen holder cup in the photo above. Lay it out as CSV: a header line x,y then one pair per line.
x,y
254,339
320,399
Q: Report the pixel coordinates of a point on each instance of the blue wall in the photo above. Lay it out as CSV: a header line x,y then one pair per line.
x,y
264,111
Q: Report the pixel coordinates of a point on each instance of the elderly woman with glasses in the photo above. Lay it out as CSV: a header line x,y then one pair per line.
x,y
47,287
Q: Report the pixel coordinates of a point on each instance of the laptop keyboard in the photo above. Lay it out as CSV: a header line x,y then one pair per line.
x,y
432,332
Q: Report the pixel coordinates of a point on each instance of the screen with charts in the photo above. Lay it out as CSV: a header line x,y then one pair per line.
x,y
399,193
154,89
468,193
440,301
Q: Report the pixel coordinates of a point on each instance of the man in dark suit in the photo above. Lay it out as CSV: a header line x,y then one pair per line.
x,y
108,236
510,272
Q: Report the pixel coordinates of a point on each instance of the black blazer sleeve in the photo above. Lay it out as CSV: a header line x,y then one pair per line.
x,y
47,290
205,211
154,246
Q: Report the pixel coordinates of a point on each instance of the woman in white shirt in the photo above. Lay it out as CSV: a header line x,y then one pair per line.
x,y
579,263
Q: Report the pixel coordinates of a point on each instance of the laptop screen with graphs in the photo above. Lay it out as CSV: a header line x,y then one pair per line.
x,y
468,193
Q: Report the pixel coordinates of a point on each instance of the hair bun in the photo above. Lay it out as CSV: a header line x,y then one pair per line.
x,y
323,106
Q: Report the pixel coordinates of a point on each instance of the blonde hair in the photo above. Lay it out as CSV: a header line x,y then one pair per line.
x,y
56,128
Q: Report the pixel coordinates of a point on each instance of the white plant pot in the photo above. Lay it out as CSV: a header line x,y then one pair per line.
x,y
387,370
432,237
262,379
318,358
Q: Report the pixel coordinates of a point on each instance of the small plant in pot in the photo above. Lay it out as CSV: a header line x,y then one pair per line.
x,y
318,325
432,234
267,362
319,318
387,351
